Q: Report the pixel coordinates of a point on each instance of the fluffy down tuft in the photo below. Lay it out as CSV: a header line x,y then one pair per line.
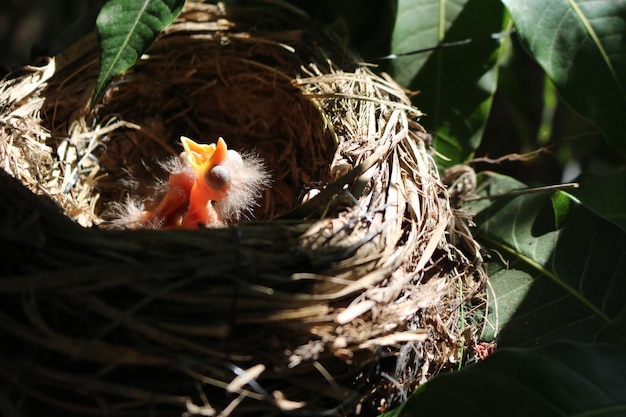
x,y
249,177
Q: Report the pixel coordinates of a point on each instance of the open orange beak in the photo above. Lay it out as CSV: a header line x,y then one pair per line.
x,y
203,157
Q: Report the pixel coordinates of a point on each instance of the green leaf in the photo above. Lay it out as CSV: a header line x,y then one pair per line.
x,y
456,83
558,270
581,45
564,379
604,194
126,28
562,204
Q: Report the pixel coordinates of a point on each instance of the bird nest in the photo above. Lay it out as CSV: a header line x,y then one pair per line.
x,y
352,282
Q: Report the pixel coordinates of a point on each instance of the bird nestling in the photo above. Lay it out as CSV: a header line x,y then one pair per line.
x,y
209,185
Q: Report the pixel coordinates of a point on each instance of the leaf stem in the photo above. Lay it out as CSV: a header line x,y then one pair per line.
x,y
522,191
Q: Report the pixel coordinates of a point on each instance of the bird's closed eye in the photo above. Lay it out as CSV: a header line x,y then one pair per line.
x,y
217,177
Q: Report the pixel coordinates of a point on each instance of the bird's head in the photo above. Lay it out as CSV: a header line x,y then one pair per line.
x,y
225,177
213,164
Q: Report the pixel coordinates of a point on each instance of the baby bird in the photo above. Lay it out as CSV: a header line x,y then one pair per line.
x,y
208,186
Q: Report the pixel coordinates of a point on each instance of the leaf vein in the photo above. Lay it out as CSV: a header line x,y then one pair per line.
x,y
126,39
585,269
587,24
614,279
551,275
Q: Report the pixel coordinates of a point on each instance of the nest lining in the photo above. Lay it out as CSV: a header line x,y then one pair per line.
x,y
344,302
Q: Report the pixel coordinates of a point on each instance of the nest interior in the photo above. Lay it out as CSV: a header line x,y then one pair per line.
x,y
338,304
